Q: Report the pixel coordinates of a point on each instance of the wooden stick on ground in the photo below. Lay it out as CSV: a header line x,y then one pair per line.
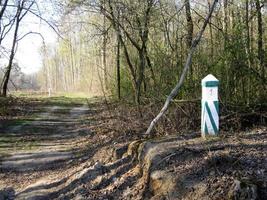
x,y
188,63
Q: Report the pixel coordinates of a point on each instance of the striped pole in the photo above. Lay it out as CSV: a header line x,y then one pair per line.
x,y
210,106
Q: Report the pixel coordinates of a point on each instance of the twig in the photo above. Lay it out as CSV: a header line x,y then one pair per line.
x,y
165,158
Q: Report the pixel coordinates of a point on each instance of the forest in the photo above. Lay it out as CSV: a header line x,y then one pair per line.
x,y
117,108
138,51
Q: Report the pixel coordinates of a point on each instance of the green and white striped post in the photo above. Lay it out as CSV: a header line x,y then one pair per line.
x,y
210,106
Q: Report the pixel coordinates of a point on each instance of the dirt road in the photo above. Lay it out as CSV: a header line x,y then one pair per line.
x,y
67,150
50,139
59,148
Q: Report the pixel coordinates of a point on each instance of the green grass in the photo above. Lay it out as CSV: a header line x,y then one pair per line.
x,y
7,139
74,95
11,143
58,94
58,99
17,122
62,101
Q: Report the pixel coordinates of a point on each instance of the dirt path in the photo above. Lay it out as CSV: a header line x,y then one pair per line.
x,y
46,142
86,151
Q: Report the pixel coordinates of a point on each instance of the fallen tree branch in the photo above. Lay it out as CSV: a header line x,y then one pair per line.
x,y
186,101
188,63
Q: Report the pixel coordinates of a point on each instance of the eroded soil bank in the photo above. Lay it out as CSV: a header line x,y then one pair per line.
x,y
80,149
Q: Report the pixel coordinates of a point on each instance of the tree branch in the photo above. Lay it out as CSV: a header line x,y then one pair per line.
x,y
31,32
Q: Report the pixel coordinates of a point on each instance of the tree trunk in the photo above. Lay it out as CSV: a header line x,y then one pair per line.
x,y
118,62
190,27
12,54
248,52
116,25
211,38
105,52
189,36
260,39
140,74
2,11
225,21
247,31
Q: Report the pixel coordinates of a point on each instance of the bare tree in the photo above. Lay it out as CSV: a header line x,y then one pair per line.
x,y
3,6
22,9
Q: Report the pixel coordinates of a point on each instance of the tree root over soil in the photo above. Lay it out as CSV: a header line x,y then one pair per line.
x,y
233,167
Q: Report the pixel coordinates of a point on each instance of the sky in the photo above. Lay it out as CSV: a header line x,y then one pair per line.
x,y
28,53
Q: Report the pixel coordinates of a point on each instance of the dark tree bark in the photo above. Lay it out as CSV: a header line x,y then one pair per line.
x,y
118,60
189,36
8,26
260,39
105,50
225,21
12,54
3,8
190,26
211,37
247,27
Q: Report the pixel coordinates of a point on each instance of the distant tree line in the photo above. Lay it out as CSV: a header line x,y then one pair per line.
x,y
20,81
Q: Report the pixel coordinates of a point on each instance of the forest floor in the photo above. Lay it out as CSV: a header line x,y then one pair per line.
x,y
75,148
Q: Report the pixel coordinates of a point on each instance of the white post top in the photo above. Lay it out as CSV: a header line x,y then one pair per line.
x,y
210,81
